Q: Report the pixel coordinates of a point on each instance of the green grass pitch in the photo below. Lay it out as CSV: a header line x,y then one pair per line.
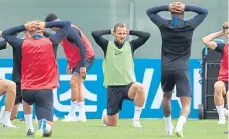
x,y
152,129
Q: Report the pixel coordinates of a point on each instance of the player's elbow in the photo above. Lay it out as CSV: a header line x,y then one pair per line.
x,y
67,24
94,34
205,11
207,43
147,35
148,12
4,34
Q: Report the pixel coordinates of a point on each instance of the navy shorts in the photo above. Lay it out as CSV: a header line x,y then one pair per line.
x,y
43,100
18,98
115,97
179,78
88,64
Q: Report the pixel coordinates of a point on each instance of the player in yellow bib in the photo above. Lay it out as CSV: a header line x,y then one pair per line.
x,y
118,69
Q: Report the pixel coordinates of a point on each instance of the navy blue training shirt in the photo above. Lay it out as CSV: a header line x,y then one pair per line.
x,y
176,36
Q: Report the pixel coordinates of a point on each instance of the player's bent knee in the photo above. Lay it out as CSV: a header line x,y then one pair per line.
x,y
219,85
112,124
112,120
141,88
138,87
11,87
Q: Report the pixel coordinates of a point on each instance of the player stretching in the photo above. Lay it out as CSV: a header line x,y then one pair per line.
x,y
80,55
221,86
119,76
39,70
176,37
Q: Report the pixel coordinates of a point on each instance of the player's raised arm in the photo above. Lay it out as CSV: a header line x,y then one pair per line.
x,y
101,41
142,38
61,33
199,18
209,39
155,17
9,35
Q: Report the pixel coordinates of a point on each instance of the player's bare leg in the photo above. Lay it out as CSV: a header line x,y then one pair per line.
x,y
184,113
14,112
220,91
137,93
9,88
166,104
74,95
81,103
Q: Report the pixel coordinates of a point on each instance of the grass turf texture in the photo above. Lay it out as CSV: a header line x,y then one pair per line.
x,y
152,129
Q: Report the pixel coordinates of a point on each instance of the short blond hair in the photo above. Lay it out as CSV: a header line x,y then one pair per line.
x,y
121,25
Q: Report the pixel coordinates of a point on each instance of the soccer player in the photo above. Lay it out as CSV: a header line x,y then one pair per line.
x,y
176,37
221,86
118,68
39,70
80,56
9,88
16,75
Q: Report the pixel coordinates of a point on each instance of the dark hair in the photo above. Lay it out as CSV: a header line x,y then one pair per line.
x,y
122,25
51,17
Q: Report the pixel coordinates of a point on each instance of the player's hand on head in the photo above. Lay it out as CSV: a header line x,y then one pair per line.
x,y
180,8
127,32
112,32
42,25
171,7
176,7
39,24
31,26
27,25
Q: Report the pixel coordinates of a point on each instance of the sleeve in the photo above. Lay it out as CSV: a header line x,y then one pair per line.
x,y
102,42
11,38
142,38
74,37
199,18
154,17
61,33
220,47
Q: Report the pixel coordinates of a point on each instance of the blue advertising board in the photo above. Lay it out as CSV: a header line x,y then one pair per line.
x,y
148,72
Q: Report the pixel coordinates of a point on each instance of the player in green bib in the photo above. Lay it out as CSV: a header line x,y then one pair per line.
x,y
118,69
